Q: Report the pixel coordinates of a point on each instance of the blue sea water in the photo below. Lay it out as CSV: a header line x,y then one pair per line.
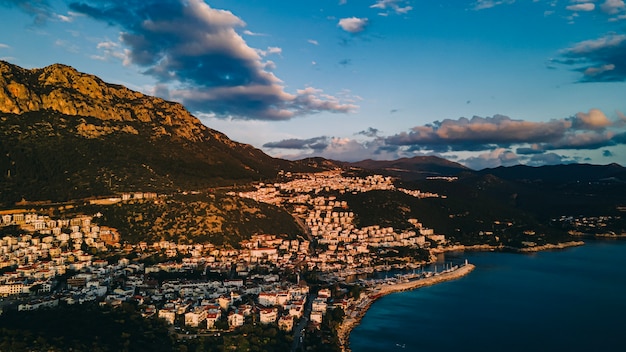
x,y
566,300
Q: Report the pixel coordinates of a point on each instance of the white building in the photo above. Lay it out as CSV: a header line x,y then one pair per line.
x,y
195,317
235,319
268,315
316,317
168,314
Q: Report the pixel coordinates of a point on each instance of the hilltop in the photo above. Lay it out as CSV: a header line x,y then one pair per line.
x,y
67,135
417,167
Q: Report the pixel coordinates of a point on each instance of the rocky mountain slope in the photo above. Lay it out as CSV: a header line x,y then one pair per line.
x,y
66,134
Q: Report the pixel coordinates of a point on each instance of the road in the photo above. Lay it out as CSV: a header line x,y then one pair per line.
x,y
304,227
298,330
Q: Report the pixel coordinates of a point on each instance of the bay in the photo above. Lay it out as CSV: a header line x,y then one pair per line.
x,y
566,300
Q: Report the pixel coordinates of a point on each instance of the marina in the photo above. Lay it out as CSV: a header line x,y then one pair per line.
x,y
569,299
378,288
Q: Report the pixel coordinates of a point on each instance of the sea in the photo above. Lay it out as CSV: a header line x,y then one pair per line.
x,y
565,300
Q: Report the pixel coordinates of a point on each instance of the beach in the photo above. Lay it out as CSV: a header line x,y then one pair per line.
x,y
355,312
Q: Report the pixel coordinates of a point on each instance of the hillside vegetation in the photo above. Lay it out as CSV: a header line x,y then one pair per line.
x,y
67,135
204,218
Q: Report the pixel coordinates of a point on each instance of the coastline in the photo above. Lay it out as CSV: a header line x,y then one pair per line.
x,y
490,248
356,313
550,246
396,321
358,310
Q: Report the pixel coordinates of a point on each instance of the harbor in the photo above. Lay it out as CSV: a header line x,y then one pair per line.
x,y
378,288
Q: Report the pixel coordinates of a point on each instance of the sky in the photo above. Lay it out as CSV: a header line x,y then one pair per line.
x,y
485,83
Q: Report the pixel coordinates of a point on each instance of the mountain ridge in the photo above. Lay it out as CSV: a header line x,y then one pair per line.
x,y
68,135
416,167
63,89
562,173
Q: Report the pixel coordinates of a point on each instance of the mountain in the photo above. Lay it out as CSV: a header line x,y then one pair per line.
x,y
67,135
541,192
573,189
417,167
560,174
534,193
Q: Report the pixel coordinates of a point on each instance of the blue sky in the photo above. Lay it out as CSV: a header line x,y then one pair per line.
x,y
484,83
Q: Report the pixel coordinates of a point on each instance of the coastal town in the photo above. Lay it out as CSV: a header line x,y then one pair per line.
x,y
202,288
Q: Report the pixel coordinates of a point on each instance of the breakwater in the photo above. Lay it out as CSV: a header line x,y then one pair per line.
x,y
357,310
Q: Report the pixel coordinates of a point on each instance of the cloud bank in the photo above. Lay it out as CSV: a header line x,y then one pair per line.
x,y
483,141
588,130
199,58
599,60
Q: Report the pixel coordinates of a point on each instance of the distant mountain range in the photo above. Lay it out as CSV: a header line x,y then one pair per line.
x,y
68,135
417,167
560,173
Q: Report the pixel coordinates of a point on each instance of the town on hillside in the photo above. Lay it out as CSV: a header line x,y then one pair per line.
x,y
201,288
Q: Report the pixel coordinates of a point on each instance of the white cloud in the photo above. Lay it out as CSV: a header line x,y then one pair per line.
x,y
69,18
613,7
593,120
582,7
4,46
253,34
590,130
487,4
599,60
394,5
584,140
108,45
594,71
200,59
491,159
112,50
271,50
313,41
478,133
346,149
353,24
335,148
314,100
593,45
66,19
478,143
